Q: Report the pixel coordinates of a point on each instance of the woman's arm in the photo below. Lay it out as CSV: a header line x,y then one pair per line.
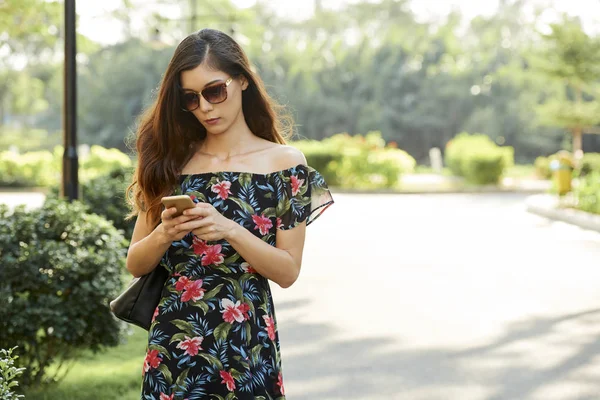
x,y
148,245
282,263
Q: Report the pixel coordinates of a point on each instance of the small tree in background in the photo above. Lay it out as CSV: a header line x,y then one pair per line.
x,y
572,58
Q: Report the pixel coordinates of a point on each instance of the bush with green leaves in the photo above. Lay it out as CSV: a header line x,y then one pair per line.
x,y
477,158
9,374
587,193
542,167
105,195
589,163
61,266
357,161
28,169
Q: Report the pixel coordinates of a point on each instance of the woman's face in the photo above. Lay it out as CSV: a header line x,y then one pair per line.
x,y
216,118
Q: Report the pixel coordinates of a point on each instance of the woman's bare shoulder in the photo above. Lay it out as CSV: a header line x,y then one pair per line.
x,y
284,156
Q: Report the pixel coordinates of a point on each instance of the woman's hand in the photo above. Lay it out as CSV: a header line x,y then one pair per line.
x,y
210,224
174,229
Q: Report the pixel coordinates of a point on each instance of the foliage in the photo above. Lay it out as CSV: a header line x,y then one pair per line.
x,y
9,374
477,159
588,192
29,169
101,161
571,57
589,163
358,161
60,268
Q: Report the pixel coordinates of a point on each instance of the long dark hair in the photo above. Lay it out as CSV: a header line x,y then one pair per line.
x,y
166,135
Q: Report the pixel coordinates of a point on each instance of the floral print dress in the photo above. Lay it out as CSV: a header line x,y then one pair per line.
x,y
214,333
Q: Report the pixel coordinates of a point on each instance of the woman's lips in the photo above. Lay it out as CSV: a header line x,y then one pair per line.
x,y
212,121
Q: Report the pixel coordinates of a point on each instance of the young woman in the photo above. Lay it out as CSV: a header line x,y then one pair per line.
x,y
215,135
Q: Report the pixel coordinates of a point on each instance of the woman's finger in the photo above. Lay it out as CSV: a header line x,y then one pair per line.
x,y
195,223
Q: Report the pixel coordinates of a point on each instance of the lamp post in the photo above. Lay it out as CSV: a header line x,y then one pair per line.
x,y
70,187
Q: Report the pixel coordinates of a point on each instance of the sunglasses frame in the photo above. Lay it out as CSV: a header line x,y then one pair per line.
x,y
199,94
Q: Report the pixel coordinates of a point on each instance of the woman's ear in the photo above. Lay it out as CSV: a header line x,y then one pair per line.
x,y
243,82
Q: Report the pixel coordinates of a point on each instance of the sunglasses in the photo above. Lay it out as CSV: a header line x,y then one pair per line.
x,y
214,94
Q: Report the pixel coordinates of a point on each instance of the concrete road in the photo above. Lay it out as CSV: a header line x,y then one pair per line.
x,y
439,297
449,297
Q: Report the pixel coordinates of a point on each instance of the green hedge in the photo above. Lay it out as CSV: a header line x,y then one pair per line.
x,y
43,168
60,268
477,158
588,192
357,161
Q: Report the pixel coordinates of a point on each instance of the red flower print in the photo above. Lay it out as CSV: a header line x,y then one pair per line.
x,y
166,397
191,345
193,291
193,197
234,312
280,384
212,255
247,268
199,246
228,380
152,360
155,314
222,188
279,223
182,283
296,183
263,224
270,326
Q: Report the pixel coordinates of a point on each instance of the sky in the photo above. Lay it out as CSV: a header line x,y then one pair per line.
x,y
95,23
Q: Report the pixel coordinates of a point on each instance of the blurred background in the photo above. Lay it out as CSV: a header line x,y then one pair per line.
x,y
481,115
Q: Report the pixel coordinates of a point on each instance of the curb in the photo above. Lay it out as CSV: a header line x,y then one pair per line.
x,y
547,207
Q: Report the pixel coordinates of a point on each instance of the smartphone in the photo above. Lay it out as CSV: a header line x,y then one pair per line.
x,y
181,203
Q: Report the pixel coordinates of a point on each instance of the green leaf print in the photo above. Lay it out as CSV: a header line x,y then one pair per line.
x,y
178,337
231,396
212,293
269,212
181,380
245,206
163,369
184,326
245,180
198,195
235,374
231,259
248,333
222,331
201,304
216,397
255,352
222,267
211,359
282,206
237,289
163,352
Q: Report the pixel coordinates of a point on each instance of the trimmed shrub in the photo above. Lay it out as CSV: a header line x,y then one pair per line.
x,y
60,268
105,195
357,161
477,158
29,169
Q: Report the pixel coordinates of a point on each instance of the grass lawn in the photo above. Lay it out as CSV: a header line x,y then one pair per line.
x,y
114,374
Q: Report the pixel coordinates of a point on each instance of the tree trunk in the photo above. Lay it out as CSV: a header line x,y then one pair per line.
x,y
577,141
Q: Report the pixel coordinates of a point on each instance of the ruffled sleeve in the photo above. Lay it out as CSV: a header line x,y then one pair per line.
x,y
302,195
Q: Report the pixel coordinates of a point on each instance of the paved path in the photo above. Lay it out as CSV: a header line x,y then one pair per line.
x,y
440,297
449,297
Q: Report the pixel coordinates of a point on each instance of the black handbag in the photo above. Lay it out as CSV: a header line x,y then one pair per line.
x,y
136,305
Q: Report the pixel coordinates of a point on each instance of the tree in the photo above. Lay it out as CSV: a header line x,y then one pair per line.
x,y
571,57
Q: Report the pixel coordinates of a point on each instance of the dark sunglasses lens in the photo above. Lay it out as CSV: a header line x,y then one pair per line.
x,y
215,94
190,101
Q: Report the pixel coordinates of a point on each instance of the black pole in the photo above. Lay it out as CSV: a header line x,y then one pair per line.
x,y
70,187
